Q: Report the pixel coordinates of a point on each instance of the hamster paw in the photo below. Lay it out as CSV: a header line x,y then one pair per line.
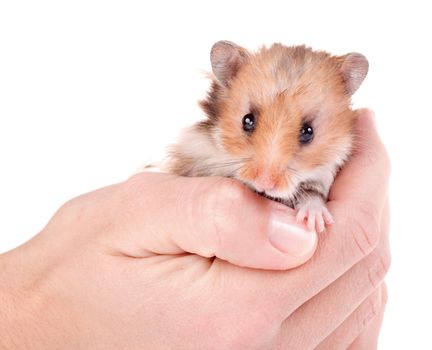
x,y
316,214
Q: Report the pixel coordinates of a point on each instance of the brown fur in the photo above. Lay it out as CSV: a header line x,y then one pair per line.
x,y
283,87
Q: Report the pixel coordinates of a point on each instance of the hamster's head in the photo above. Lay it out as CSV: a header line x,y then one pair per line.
x,y
283,113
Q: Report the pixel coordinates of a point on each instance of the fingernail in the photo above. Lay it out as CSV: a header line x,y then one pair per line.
x,y
288,236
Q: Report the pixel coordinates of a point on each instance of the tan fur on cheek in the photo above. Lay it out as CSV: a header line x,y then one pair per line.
x,y
284,87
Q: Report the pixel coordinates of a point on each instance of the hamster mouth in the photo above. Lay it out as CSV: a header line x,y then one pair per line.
x,y
284,201
289,202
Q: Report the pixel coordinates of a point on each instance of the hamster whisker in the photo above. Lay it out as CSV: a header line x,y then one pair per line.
x,y
300,193
235,171
295,173
230,175
220,165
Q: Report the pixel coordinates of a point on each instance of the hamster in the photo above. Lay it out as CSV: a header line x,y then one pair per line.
x,y
279,120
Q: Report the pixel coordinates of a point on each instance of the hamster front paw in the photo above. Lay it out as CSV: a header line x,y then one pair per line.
x,y
314,211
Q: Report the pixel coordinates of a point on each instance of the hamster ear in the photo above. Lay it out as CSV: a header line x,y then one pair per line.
x,y
354,69
226,59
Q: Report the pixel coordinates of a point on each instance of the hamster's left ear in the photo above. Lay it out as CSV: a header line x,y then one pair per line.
x,y
354,67
226,59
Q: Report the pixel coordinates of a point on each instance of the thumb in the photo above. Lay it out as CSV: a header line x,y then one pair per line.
x,y
212,217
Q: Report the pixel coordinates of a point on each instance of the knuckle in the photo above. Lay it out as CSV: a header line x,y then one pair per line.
x,y
220,203
230,190
74,210
384,295
365,230
223,198
385,259
372,309
379,269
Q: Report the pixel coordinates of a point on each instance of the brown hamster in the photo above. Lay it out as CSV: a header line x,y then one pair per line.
x,y
279,120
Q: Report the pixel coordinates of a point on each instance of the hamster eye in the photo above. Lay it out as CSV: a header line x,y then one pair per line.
x,y
248,122
306,134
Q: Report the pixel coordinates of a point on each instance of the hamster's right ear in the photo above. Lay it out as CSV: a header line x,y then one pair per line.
x,y
226,59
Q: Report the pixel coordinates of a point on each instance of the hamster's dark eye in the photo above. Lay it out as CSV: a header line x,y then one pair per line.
x,y
306,134
248,122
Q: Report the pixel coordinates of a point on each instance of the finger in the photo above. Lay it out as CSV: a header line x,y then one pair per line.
x,y
318,317
360,330
362,183
211,217
368,339
350,239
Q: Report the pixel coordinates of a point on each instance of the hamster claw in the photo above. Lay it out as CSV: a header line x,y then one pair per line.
x,y
315,213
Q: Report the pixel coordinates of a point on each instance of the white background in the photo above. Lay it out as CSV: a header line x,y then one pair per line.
x,y
89,90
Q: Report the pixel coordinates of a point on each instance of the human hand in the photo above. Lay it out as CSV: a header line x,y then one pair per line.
x,y
132,266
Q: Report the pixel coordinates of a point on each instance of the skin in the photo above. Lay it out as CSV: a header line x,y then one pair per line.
x,y
111,270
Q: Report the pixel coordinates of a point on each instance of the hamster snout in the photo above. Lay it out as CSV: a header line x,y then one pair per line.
x,y
278,120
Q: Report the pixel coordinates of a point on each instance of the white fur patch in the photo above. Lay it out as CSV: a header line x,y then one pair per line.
x,y
207,152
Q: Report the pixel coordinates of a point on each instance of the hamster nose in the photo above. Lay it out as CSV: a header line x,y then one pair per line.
x,y
264,183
